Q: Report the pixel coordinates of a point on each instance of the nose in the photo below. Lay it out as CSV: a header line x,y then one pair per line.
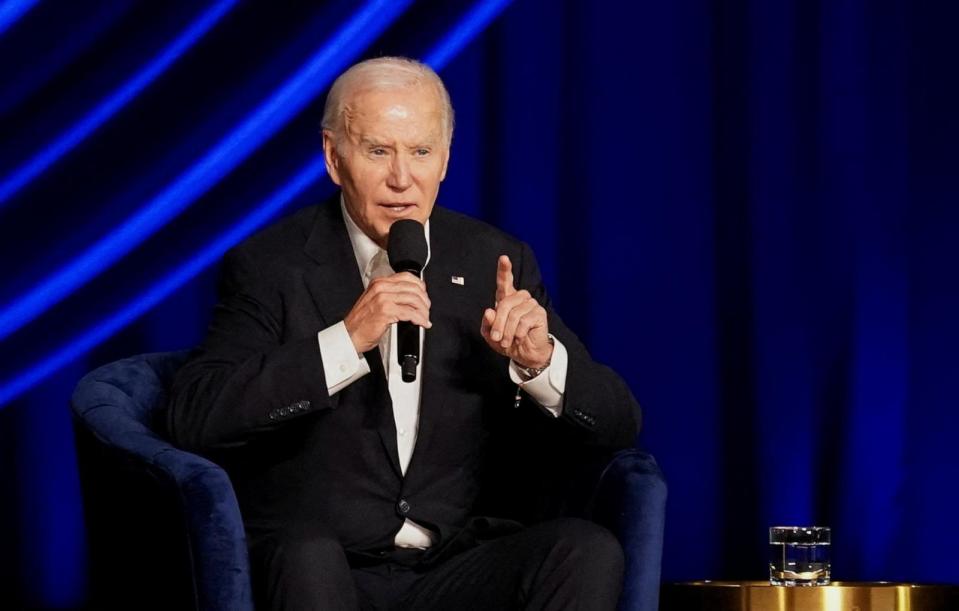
x,y
399,178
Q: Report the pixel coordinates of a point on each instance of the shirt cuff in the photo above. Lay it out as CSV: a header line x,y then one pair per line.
x,y
548,387
341,364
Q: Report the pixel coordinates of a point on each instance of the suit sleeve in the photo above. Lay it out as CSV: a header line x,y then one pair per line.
x,y
596,401
244,381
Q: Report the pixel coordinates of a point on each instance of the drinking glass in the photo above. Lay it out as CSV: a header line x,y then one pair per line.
x,y
799,555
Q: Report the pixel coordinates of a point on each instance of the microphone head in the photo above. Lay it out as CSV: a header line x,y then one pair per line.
x,y
406,246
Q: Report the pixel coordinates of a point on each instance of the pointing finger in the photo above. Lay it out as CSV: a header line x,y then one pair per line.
x,y
504,278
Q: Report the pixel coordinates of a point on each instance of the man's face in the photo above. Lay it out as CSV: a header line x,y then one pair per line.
x,y
392,157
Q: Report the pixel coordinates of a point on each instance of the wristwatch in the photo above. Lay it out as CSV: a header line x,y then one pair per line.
x,y
532,372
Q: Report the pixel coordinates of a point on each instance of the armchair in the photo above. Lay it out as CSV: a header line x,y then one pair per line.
x,y
164,527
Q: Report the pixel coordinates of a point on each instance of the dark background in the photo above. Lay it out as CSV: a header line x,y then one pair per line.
x,y
747,207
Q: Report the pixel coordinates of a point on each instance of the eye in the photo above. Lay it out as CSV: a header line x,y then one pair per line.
x,y
421,152
378,152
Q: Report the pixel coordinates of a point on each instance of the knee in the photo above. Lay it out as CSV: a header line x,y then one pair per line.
x,y
584,568
301,568
592,545
308,550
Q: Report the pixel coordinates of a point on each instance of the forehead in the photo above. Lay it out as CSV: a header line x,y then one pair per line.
x,y
414,112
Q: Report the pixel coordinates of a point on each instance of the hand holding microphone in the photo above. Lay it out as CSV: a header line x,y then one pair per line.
x,y
400,298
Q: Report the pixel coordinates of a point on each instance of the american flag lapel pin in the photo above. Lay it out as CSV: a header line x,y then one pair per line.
x,y
458,280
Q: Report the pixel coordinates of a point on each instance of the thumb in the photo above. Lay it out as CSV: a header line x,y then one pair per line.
x,y
487,322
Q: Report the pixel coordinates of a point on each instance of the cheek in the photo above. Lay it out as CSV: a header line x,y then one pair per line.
x,y
431,176
368,180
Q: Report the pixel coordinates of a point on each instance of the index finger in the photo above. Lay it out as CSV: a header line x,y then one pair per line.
x,y
504,278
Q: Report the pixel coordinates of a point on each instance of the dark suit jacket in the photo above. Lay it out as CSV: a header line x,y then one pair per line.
x,y
253,396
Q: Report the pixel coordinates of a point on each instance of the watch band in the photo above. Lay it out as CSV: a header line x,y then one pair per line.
x,y
532,372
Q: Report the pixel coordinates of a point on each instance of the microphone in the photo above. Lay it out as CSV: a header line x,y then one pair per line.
x,y
407,250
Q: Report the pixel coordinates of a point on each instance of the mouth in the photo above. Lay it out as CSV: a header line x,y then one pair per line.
x,y
398,209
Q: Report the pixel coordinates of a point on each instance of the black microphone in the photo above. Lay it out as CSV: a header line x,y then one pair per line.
x,y
407,251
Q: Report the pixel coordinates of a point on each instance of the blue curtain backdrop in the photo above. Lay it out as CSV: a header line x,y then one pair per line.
x,y
747,207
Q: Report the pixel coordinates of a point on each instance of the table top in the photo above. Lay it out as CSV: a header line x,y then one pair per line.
x,y
838,596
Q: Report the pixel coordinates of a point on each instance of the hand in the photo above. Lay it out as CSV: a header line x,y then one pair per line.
x,y
385,301
517,328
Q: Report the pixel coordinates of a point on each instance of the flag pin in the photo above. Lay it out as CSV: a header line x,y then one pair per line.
x,y
458,280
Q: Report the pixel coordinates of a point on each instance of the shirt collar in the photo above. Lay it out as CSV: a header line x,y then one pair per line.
x,y
364,248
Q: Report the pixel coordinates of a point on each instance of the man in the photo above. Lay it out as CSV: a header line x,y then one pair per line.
x,y
360,490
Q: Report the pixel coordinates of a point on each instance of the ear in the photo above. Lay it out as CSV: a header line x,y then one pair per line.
x,y
330,156
446,163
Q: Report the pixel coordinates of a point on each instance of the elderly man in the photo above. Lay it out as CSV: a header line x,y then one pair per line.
x,y
359,489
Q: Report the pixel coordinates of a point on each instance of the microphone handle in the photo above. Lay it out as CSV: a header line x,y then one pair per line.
x,y
408,348
408,344
409,369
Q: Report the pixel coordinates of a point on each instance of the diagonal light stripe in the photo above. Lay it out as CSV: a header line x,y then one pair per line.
x,y
109,106
439,56
12,10
474,22
166,285
363,27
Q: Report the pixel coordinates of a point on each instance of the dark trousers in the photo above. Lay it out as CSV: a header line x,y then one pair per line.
x,y
565,563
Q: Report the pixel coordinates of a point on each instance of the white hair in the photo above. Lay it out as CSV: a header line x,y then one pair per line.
x,y
382,73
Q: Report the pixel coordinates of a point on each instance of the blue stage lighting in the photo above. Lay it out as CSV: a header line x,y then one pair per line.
x,y
475,21
110,105
309,174
12,10
362,28
461,34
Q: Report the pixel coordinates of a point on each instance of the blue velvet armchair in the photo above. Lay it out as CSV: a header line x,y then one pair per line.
x,y
164,527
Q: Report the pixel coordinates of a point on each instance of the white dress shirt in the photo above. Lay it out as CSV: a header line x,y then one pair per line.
x,y
342,366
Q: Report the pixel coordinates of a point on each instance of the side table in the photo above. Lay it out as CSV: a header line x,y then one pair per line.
x,y
838,596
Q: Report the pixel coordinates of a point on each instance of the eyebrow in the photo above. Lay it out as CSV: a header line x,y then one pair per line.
x,y
371,142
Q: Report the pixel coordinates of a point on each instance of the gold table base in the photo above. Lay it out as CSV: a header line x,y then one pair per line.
x,y
838,596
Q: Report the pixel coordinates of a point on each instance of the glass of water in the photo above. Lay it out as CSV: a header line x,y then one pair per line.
x,y
799,555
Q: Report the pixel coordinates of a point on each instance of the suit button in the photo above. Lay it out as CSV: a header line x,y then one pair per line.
x,y
403,507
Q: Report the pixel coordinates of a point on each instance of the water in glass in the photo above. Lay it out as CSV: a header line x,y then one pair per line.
x,y
799,555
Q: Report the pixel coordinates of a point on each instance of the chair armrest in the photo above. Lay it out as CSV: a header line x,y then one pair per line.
x,y
215,535
215,540
630,500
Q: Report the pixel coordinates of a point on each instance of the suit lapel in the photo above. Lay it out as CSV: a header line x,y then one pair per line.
x,y
334,285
